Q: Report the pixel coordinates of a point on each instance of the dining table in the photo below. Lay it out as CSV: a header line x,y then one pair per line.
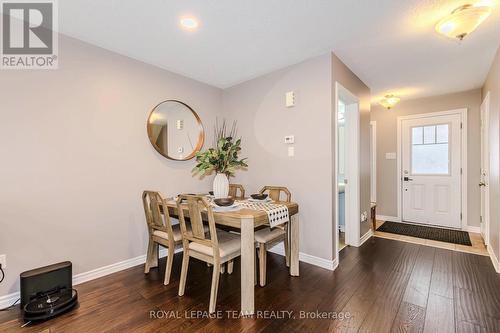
x,y
247,221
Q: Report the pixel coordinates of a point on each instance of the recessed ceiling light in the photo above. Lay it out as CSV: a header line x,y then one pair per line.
x,y
463,20
389,101
189,23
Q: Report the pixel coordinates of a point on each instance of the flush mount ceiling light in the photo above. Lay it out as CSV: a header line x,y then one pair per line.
x,y
189,23
463,20
389,101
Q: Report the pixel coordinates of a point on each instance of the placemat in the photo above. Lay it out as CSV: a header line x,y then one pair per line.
x,y
277,213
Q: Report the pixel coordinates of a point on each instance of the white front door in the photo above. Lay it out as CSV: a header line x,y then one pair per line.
x,y
485,164
431,167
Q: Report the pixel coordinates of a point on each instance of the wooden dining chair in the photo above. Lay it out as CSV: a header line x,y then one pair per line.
x,y
233,191
267,237
161,232
216,248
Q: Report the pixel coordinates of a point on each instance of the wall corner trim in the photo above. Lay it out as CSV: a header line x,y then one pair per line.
x,y
494,259
365,237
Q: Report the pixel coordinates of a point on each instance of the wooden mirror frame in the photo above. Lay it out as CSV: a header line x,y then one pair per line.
x,y
201,136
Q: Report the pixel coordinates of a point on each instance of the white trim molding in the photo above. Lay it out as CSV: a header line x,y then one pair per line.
x,y
9,299
470,228
373,161
352,190
494,259
485,167
331,265
116,267
386,218
80,278
365,237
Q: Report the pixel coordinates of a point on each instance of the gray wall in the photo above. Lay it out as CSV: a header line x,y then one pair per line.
x,y
492,85
387,142
264,121
76,158
342,74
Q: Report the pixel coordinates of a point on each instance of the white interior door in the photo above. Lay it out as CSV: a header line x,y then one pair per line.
x,y
485,164
431,166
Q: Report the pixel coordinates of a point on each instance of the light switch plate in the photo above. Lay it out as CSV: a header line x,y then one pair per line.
x,y
291,151
390,156
290,99
3,260
289,139
179,124
364,216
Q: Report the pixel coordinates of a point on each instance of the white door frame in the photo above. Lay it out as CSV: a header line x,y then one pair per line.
x,y
373,170
485,133
463,162
352,198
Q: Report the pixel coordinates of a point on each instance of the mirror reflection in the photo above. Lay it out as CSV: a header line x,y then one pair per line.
x,y
175,130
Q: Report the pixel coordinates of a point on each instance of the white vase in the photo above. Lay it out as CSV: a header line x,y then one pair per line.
x,y
221,186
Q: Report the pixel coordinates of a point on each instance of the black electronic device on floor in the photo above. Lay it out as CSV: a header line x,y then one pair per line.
x,y
47,291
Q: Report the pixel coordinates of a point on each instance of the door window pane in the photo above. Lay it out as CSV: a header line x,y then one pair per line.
x,y
430,150
442,133
417,135
429,134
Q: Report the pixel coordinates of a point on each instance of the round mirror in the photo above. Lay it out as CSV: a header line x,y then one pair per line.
x,y
175,130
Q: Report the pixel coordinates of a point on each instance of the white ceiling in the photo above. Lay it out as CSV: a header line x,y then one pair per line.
x,y
390,44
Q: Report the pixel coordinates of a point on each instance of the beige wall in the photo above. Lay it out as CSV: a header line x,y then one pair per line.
x,y
342,74
76,158
492,85
264,121
387,139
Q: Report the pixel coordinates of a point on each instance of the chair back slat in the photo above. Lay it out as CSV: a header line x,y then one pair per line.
x,y
157,217
195,217
233,191
197,207
276,191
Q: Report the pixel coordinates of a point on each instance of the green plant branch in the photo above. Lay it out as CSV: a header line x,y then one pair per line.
x,y
223,157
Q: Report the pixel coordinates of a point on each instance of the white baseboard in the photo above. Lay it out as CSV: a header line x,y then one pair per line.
x,y
388,218
8,299
307,258
331,265
116,267
476,230
494,259
365,237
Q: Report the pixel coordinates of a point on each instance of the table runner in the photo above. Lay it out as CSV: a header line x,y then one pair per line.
x,y
277,214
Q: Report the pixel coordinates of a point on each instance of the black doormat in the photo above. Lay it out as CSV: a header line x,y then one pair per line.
x,y
420,231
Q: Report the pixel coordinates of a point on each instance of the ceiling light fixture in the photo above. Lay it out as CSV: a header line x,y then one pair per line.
x,y
463,20
189,23
389,101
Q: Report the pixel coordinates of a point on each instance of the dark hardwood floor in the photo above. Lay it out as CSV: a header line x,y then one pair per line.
x,y
383,286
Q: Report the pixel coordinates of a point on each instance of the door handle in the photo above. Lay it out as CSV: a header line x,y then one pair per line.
x,y
407,179
482,184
